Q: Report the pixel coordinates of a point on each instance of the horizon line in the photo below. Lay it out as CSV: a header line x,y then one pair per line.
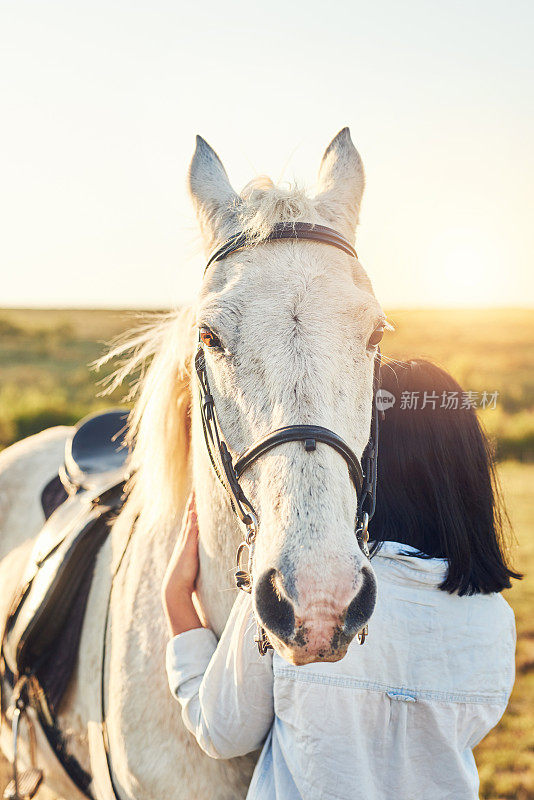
x,y
160,309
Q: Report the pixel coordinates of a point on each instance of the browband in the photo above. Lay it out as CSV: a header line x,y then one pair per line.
x,y
285,230
309,435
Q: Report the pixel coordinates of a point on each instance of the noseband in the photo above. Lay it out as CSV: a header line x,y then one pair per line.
x,y
230,472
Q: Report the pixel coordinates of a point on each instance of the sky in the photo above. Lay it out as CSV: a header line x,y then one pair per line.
x,y
101,102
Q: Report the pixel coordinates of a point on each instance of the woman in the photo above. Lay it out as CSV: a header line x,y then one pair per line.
x,y
399,717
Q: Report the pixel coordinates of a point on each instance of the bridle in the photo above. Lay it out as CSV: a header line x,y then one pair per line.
x,y
229,472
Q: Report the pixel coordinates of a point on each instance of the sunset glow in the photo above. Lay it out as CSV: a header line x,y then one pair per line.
x,y
101,103
464,269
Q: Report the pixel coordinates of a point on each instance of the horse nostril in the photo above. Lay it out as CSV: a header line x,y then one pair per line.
x,y
362,606
274,609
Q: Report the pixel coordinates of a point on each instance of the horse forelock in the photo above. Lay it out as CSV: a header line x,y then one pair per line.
x,y
263,204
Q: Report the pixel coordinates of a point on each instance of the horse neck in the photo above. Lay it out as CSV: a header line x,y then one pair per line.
x,y
151,547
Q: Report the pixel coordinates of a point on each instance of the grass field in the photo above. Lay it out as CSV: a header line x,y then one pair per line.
x,y
506,757
45,380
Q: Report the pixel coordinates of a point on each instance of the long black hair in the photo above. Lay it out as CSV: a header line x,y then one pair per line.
x,y
437,487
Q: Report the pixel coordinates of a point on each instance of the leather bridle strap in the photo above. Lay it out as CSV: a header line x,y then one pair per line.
x,y
367,494
229,472
309,435
284,230
220,457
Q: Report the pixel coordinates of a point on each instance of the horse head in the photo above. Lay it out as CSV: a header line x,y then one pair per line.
x,y
291,330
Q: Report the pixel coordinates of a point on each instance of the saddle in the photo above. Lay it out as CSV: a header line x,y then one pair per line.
x,y
43,629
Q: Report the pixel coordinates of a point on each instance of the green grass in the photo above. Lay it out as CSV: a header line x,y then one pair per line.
x,y
485,350
506,756
45,377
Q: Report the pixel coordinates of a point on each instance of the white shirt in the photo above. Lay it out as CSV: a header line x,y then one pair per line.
x,y
396,719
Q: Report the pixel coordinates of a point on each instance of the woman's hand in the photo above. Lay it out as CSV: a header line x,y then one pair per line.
x,y
181,575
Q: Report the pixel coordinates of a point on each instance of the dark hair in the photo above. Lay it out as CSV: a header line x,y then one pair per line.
x,y
437,487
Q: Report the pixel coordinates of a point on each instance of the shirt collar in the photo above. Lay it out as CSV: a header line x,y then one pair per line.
x,y
402,560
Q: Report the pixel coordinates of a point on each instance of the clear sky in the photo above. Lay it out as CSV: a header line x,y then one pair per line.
x,y
101,101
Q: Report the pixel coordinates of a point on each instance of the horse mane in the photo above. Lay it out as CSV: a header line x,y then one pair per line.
x,y
160,353
157,355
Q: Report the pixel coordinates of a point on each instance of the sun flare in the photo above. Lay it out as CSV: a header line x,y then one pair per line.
x,y
463,268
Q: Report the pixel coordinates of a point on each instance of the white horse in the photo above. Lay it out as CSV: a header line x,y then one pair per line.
x,y
294,320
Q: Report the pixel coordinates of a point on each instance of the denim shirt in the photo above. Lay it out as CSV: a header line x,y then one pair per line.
x,y
395,719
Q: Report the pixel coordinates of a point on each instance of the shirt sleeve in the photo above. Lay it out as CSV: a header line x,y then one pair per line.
x,y
225,689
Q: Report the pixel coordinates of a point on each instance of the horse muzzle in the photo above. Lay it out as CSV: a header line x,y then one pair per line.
x,y
309,626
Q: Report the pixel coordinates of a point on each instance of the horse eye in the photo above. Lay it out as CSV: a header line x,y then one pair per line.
x,y
376,336
208,338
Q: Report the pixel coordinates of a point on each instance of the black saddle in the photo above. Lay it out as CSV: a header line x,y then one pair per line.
x,y
41,638
95,457
97,451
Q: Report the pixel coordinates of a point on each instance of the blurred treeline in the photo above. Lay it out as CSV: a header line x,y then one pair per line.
x,y
45,377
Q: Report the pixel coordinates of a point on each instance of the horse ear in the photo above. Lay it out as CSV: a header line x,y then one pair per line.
x,y
213,197
341,184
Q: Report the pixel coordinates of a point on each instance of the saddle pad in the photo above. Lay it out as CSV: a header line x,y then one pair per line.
x,y
44,626
52,496
63,554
